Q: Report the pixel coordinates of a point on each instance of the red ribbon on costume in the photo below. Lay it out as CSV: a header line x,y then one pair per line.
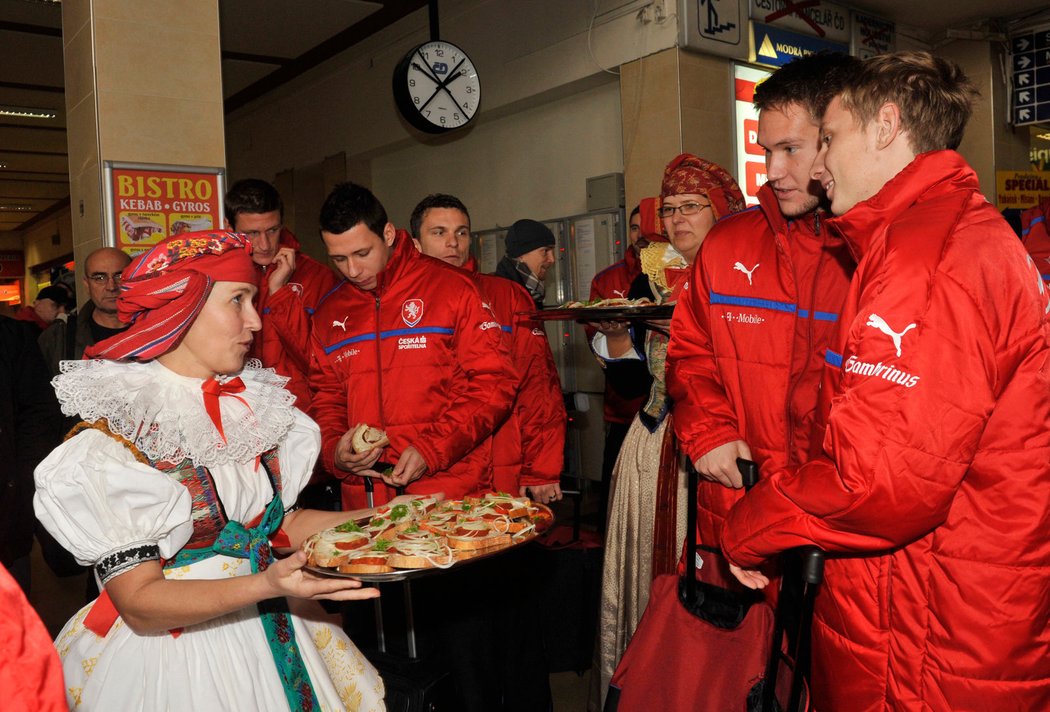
x,y
213,390
104,614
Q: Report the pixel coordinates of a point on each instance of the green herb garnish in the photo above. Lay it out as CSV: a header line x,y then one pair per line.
x,y
399,511
377,522
381,544
350,526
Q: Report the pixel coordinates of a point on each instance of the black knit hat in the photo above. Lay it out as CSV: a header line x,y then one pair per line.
x,y
526,236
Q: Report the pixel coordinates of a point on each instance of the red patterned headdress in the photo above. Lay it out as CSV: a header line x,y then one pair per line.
x,y
690,174
162,291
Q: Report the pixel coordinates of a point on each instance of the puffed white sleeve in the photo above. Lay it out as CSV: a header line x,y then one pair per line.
x,y
298,454
108,509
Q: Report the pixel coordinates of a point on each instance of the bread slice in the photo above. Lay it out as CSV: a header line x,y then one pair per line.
x,y
331,548
371,562
365,438
472,535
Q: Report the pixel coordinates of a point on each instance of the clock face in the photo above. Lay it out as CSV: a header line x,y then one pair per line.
x,y
437,87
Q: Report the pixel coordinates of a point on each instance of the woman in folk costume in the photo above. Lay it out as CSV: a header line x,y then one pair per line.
x,y
646,524
182,475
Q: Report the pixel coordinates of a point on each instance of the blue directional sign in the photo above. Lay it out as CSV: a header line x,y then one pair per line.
x,y
1030,65
775,47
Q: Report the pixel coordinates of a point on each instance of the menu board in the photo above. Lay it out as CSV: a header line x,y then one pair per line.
x,y
147,203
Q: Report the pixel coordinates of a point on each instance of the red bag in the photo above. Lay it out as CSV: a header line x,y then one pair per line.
x,y
676,661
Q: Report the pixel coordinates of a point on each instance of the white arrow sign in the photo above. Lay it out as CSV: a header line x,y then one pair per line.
x,y
1024,97
1022,44
1023,114
1023,62
1023,79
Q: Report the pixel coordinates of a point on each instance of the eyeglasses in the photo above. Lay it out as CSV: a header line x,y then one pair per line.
x,y
667,211
103,278
270,232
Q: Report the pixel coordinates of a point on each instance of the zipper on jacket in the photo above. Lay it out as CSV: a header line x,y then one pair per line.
x,y
809,336
379,368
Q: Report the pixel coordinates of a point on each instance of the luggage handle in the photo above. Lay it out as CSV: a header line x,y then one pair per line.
x,y
749,475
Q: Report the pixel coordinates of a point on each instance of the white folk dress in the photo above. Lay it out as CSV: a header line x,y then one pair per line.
x,y
103,504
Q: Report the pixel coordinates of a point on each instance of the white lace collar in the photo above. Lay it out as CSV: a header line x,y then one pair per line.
x,y
163,413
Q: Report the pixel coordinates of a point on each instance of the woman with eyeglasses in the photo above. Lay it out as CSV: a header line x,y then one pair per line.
x,y
647,503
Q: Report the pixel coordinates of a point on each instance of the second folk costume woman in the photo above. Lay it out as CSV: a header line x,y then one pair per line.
x,y
646,524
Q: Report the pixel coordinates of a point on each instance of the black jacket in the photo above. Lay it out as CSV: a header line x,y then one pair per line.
x,y
30,427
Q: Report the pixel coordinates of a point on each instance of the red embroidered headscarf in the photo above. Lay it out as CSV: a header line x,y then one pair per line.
x,y
691,174
163,290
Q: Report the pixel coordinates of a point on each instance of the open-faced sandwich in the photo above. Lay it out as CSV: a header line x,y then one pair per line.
x,y
425,533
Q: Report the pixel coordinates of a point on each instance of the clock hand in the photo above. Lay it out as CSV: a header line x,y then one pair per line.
x,y
426,68
454,73
425,103
425,73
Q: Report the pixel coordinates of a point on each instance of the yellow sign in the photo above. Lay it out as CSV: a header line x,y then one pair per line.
x,y
1021,189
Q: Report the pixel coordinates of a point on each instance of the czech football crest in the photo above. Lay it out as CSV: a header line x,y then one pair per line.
x,y
412,311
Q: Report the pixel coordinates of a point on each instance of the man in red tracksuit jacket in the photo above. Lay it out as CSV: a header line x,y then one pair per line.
x,y
529,448
405,344
290,283
932,496
1035,235
749,332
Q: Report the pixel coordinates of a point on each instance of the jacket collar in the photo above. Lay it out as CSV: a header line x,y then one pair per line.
x,y
403,255
808,224
927,176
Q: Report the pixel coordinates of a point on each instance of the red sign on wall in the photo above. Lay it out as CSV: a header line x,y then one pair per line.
x,y
12,265
149,203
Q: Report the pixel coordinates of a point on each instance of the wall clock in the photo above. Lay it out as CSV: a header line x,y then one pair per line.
x,y
436,87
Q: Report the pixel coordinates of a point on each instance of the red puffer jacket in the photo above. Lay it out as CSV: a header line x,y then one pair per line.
x,y
529,448
935,487
284,342
421,358
615,281
748,339
1035,234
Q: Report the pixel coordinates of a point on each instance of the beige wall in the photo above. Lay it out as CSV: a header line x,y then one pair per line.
x,y
674,102
38,246
549,115
990,143
143,84
533,163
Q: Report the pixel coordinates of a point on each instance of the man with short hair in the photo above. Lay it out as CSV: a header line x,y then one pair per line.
x,y
291,284
528,449
405,344
530,253
97,319
932,493
748,336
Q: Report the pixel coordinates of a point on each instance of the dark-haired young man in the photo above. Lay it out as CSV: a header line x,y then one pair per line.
x,y
290,283
749,332
404,343
528,449
932,488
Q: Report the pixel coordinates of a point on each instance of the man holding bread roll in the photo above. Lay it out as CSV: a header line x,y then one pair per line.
x,y
403,345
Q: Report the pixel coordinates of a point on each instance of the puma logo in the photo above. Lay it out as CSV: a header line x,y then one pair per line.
x,y
739,266
341,324
621,295
877,322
